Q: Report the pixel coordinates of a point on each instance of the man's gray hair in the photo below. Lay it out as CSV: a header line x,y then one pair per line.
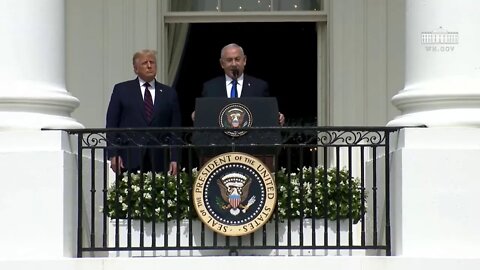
x,y
232,45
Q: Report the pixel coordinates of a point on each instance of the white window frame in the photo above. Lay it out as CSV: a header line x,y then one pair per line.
x,y
166,17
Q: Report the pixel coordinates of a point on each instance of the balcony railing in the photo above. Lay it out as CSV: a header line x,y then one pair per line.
x,y
332,188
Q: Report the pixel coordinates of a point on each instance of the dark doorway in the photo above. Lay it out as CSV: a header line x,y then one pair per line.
x,y
283,54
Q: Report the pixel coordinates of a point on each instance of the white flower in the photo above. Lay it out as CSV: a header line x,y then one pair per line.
x,y
303,181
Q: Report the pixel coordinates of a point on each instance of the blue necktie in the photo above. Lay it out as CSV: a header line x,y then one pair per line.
x,y
233,90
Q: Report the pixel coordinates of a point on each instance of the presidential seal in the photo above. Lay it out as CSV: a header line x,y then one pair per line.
x,y
235,115
234,194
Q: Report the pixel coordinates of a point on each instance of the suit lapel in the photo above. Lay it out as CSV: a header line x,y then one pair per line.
x,y
222,87
139,98
158,99
246,85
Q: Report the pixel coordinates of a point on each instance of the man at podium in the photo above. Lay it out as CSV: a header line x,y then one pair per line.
x,y
235,83
216,108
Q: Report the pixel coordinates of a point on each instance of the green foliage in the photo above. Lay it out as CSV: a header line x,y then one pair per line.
x,y
314,192
141,196
311,192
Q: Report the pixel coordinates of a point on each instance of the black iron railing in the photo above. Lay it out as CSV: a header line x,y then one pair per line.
x,y
332,186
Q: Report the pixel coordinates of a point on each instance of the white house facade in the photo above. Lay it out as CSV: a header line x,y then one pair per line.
x,y
405,63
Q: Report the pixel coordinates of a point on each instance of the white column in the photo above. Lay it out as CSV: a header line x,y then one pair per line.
x,y
37,198
434,192
32,66
442,79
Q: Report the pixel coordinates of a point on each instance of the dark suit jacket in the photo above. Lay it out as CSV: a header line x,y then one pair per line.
x,y
252,87
126,110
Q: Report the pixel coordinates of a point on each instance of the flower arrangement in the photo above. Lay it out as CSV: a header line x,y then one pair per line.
x,y
309,192
142,196
314,192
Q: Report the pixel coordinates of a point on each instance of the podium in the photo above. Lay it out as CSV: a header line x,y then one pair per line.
x,y
232,114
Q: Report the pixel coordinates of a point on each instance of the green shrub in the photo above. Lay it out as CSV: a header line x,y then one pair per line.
x,y
311,192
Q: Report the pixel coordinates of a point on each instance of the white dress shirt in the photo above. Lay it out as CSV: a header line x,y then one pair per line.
x,y
151,88
228,82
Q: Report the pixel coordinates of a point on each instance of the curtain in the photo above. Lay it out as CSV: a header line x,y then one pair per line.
x,y
177,36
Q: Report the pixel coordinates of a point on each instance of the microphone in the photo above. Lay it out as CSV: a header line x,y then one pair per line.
x,y
235,73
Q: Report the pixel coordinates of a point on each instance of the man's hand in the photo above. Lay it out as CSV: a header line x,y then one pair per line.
x,y
281,118
193,116
116,164
172,170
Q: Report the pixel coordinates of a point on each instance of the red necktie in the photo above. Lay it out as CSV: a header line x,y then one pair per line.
x,y
148,102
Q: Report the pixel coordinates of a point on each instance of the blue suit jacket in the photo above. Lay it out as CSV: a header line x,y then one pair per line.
x,y
252,87
126,110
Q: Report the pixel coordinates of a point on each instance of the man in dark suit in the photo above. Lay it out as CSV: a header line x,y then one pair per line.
x,y
142,103
233,61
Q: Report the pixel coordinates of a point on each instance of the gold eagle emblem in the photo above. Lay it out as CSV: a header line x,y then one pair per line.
x,y
234,189
235,117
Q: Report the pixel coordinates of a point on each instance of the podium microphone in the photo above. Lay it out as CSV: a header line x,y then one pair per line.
x,y
235,73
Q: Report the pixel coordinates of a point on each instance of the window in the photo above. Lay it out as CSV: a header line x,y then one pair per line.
x,y
246,5
177,16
